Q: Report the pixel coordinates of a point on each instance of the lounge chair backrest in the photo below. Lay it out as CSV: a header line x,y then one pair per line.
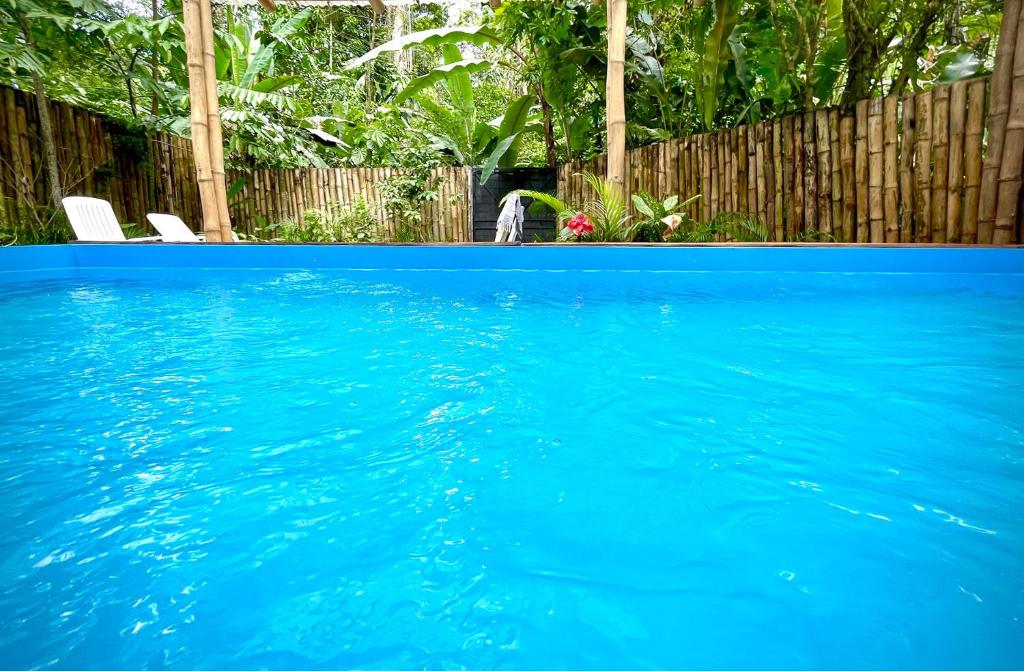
x,y
172,228
93,219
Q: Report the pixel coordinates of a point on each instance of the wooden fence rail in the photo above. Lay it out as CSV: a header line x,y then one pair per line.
x,y
898,169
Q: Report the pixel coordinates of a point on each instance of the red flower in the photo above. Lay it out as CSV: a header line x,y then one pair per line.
x,y
580,225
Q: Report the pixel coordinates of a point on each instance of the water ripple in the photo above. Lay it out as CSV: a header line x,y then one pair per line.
x,y
515,470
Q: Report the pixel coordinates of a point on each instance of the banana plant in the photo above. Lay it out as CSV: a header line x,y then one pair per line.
x,y
246,65
260,113
715,51
445,97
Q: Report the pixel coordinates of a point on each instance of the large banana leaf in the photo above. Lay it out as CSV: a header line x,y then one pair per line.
x,y
285,27
272,84
261,63
441,74
716,54
477,35
460,90
513,124
492,161
238,38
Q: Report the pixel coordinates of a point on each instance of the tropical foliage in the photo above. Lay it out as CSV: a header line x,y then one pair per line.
x,y
607,214
522,85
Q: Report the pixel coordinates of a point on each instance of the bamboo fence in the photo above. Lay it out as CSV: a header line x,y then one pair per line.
x,y
156,173
896,169
919,168
275,194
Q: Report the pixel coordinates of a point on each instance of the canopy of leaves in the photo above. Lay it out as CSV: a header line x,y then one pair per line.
x,y
522,85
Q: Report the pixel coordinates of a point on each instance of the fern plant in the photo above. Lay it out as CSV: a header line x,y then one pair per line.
x,y
607,211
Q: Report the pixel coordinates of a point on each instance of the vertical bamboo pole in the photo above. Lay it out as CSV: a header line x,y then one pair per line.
x,y
824,168
837,175
923,168
799,221
975,131
615,113
810,172
722,139
192,15
673,169
705,175
787,175
861,171
957,126
752,169
891,183
940,161
6,201
777,178
1012,163
213,124
876,175
742,169
907,171
17,176
999,111
763,163
731,168
716,199
846,165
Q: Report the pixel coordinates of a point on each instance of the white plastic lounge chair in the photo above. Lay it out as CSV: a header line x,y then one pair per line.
x,y
93,220
173,229
510,221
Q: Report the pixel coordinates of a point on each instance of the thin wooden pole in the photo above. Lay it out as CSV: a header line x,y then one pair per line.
x,y
615,93
199,116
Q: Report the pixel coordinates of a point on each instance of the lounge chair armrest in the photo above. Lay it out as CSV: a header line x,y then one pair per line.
x,y
152,238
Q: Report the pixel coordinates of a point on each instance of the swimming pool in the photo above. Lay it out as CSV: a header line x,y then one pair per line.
x,y
339,457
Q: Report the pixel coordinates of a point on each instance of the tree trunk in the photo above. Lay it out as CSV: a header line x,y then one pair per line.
x,y
615,114
154,67
56,190
861,53
549,129
918,43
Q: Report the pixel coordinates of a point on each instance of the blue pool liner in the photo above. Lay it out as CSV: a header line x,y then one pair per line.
x,y
55,261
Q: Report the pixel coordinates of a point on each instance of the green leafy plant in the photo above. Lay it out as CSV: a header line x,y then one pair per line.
x,y
41,225
657,215
354,222
607,211
403,197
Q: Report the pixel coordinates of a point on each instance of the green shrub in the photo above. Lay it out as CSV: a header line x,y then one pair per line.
x,y
335,223
656,215
41,225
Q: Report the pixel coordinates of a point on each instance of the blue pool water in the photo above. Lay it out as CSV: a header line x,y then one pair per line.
x,y
388,469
